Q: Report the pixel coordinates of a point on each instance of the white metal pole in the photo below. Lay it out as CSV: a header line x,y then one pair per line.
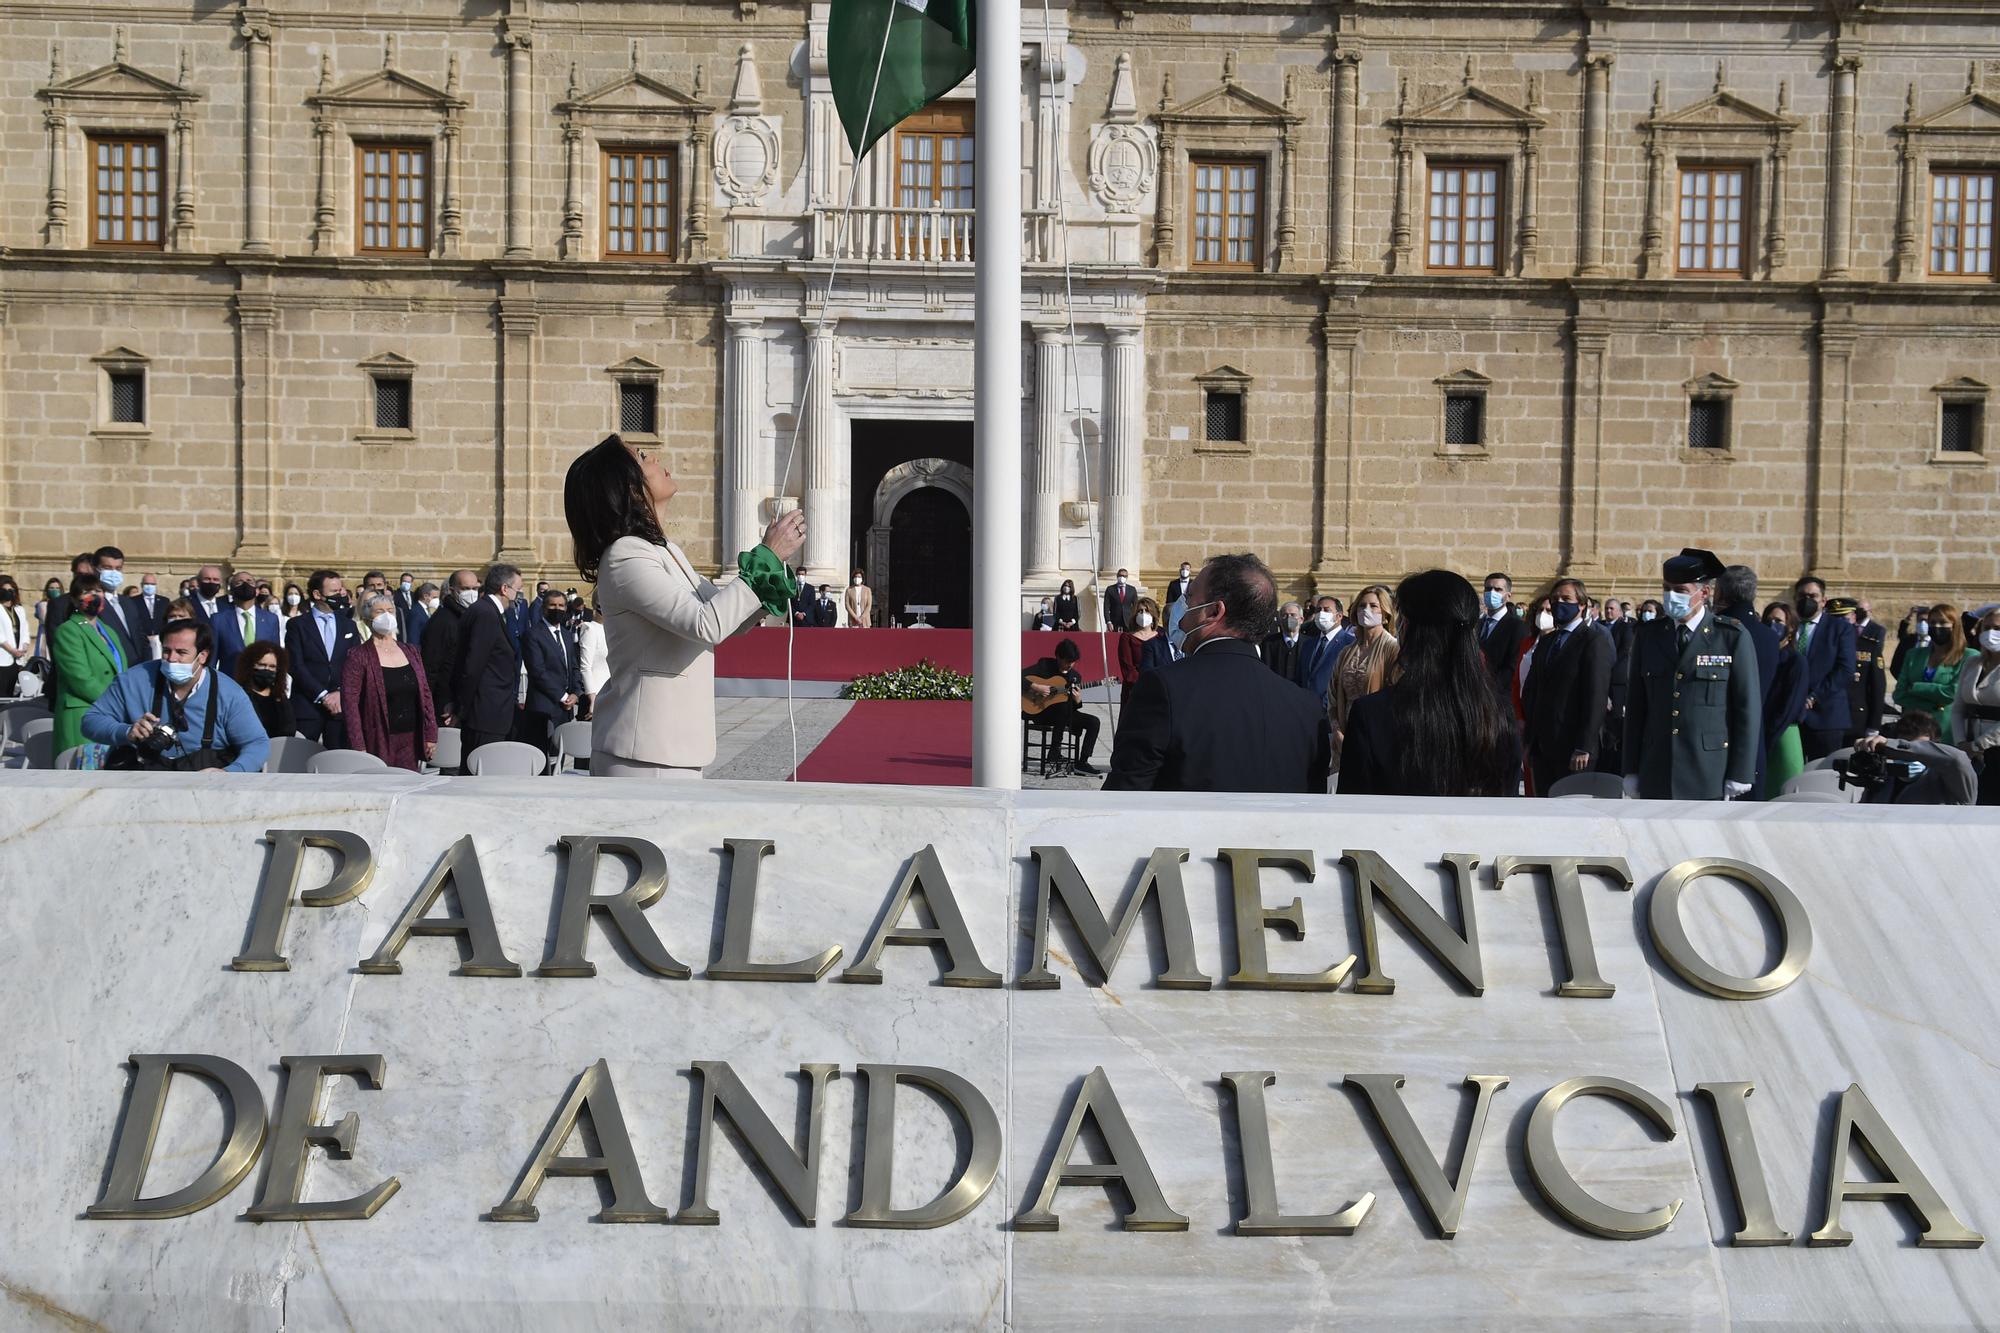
x,y
996,410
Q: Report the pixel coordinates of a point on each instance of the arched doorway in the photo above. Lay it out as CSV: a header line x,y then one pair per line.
x,y
920,542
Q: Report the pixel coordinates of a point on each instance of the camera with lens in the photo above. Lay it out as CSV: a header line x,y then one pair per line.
x,y
1870,769
158,741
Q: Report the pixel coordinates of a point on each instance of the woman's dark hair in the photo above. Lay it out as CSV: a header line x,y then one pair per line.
x,y
82,584
605,498
1451,733
247,662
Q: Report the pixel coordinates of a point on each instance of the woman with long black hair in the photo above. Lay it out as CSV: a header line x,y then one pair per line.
x,y
1439,728
655,715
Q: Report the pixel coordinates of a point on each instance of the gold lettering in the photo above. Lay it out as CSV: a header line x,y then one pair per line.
x,y
1560,1188
1859,1121
1443,1199
947,930
458,868
1374,880
592,1095
1572,917
623,912
1260,1173
1159,881
1128,1166
294,1131
878,1156
796,1174
732,961
354,866
1670,935
1730,1102
1253,918
243,1110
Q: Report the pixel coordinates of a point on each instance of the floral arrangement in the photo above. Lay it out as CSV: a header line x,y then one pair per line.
x,y
925,680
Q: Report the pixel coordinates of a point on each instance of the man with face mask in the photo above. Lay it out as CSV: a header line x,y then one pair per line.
x,y
213,722
555,673
1500,631
241,625
1327,635
1121,603
423,605
1177,587
1568,691
1868,693
1827,643
206,595
1696,706
1280,651
442,637
121,614
318,643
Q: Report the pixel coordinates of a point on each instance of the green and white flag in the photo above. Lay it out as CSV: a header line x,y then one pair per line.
x,y
932,46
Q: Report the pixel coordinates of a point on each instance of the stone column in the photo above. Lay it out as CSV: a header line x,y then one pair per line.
x,y
520,41
1652,240
1399,234
572,227
1596,109
1909,200
1531,224
1288,230
322,238
1163,211
745,467
1774,233
256,417
1582,495
1840,169
1346,95
1045,498
183,236
1826,550
255,27
826,480
1338,463
58,224
450,217
520,322
700,183
1124,448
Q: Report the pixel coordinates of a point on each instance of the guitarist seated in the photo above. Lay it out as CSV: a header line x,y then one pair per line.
x,y
1051,694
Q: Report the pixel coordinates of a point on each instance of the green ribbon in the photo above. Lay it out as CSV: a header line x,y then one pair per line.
x,y
768,578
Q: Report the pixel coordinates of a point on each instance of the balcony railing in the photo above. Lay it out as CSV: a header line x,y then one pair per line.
x,y
945,236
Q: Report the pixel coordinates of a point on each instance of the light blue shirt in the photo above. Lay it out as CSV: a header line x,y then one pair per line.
x,y
323,621
130,697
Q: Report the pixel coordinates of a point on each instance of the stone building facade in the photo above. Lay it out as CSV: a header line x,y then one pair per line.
x,y
1363,288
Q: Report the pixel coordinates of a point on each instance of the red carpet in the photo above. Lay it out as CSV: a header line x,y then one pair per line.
x,y
843,654
926,743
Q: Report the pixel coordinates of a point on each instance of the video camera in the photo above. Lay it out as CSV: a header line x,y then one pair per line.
x,y
1871,769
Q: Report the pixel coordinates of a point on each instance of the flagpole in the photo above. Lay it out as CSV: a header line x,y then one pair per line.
x,y
996,401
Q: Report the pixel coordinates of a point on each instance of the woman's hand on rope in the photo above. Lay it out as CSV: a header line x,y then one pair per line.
x,y
786,534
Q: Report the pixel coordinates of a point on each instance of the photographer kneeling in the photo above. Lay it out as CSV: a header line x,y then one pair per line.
x,y
177,716
1918,771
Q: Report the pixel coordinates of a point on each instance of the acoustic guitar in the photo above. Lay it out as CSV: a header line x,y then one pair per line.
x,y
1032,704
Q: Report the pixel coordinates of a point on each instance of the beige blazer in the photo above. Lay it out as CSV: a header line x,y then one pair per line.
x,y
662,621
860,606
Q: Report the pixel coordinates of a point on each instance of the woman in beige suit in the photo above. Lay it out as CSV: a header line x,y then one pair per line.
x,y
655,715
860,602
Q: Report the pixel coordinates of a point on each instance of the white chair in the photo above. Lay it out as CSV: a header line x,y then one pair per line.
x,y
40,746
292,754
506,759
345,761
449,754
1828,762
15,717
72,758
572,744
1822,780
1601,786
1811,798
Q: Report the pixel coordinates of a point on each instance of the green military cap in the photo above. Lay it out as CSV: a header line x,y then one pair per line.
x,y
1692,565
1842,606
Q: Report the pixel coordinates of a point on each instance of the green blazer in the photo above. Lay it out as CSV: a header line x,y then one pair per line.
x,y
85,669
1933,696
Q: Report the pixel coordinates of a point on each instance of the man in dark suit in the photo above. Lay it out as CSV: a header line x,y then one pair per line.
x,y
1696,711
1280,651
1826,641
1621,627
206,595
153,605
442,638
1327,635
1500,631
555,672
230,632
802,604
423,606
1866,697
122,614
318,644
1121,603
1219,720
1568,692
1066,717
1736,598
826,611
488,675
407,596
1177,587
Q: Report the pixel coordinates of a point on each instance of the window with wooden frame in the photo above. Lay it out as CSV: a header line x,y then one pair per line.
x,y
1712,201
641,196
934,158
128,192
1462,220
1962,224
392,198
1227,214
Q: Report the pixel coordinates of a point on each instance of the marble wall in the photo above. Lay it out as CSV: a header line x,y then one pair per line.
x,y
128,901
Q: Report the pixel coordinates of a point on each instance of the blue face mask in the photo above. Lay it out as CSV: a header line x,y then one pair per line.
x,y
111,579
180,673
1495,599
1564,612
1680,604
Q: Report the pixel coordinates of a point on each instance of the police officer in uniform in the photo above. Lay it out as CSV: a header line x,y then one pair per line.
x,y
1694,710
1871,685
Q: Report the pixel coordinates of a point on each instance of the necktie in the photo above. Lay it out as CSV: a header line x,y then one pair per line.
x,y
1686,635
326,634
1805,638
249,635
1485,628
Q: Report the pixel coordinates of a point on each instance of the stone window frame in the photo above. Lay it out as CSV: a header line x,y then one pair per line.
x,y
1712,387
1752,201
636,370
635,109
1961,390
1195,163
122,360
1927,144
1753,138
1227,122
118,100
1504,134
387,365
1464,384
385,107
1225,379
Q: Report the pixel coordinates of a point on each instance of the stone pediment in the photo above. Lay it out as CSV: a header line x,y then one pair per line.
x,y
634,93
1976,111
1963,386
1711,385
1223,377
387,88
635,367
121,82
1463,379
1228,102
1724,111
1473,106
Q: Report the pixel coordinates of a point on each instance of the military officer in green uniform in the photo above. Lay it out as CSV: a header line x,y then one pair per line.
x,y
1694,708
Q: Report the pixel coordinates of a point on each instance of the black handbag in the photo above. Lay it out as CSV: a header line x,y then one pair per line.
x,y
140,758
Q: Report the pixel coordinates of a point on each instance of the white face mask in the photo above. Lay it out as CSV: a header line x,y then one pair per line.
x,y
1989,641
384,624
1145,620
1545,622
1370,618
1184,571
430,606
467,596
291,599
1646,615
1324,620
1923,629
405,585
857,580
